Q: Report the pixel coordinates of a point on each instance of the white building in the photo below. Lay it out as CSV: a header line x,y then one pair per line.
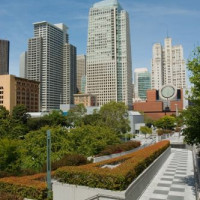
x,y
52,62
81,70
108,65
168,65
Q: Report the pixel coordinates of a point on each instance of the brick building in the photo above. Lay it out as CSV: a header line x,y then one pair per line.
x,y
156,107
16,91
86,99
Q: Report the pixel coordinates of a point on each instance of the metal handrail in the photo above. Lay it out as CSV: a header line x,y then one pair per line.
x,y
96,197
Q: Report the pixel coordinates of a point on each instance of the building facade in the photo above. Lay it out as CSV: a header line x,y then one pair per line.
x,y
168,65
23,65
16,91
85,99
108,65
4,56
157,106
81,70
142,83
50,60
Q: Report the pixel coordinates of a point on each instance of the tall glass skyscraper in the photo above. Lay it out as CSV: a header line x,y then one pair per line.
x,y
109,68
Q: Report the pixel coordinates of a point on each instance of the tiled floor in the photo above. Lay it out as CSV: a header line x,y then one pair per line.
x,y
175,180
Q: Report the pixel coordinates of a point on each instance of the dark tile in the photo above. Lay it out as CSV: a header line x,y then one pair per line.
x,y
177,189
183,173
167,179
167,174
178,183
160,192
170,170
173,197
164,185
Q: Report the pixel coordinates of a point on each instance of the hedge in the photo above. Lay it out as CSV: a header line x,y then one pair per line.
x,y
118,178
33,187
118,148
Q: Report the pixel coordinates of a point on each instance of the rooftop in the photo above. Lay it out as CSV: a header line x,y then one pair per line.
x,y
107,3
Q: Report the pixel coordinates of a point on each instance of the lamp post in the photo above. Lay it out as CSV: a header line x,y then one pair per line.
x,y
176,110
49,163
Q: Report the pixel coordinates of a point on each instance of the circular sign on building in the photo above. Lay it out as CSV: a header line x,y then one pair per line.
x,y
168,92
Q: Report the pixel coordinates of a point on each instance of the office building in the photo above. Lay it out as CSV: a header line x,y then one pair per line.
x,y
81,70
83,84
168,65
142,82
23,65
108,64
4,56
16,91
50,60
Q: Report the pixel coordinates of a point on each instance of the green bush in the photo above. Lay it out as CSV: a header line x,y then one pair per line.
x,y
118,178
118,148
68,160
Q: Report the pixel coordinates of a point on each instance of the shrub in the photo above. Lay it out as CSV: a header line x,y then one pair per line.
x,y
68,160
33,187
6,196
118,178
118,148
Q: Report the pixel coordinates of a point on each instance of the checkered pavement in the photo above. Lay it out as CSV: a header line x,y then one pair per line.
x,y
175,179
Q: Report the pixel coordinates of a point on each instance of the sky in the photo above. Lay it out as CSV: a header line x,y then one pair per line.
x,y
150,22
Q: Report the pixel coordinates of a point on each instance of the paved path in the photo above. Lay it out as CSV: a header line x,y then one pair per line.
x,y
175,180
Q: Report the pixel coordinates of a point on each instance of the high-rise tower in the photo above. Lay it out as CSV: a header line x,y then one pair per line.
x,y
168,65
50,63
4,56
108,68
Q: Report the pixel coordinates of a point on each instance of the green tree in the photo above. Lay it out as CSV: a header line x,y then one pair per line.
x,y
10,155
145,130
4,114
19,114
75,115
90,140
166,122
191,115
115,116
35,147
93,119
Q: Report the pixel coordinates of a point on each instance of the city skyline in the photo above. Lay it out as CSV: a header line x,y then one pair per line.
x,y
149,23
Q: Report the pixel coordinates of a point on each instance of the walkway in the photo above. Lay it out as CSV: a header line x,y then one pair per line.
x,y
175,180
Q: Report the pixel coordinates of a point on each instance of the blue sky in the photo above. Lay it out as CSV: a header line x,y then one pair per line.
x,y
150,20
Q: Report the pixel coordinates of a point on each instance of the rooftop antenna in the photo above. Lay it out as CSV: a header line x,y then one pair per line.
x,y
167,34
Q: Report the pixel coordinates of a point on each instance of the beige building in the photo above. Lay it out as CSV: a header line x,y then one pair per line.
x,y
86,99
168,65
15,91
81,70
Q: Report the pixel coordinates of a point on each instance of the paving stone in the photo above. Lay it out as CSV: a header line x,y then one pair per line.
x,y
170,197
177,189
160,192
167,179
164,185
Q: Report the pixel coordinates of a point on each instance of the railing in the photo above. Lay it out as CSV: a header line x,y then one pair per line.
x,y
98,196
196,172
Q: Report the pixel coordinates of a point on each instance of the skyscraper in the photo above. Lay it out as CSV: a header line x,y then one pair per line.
x,y
142,82
50,62
4,56
168,65
81,70
23,65
108,68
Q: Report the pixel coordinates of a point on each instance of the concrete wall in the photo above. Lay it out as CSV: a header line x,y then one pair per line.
x,y
73,192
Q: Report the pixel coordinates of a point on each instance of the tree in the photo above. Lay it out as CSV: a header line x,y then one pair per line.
x,y
166,122
3,113
191,115
145,130
90,140
10,155
75,115
35,146
115,116
19,114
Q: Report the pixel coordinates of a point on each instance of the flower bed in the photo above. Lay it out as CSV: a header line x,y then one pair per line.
x,y
118,178
118,148
33,187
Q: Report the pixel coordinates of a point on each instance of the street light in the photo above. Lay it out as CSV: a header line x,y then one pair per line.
x,y
49,163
